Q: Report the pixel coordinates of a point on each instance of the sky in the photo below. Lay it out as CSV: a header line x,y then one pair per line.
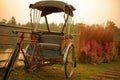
x,y
87,11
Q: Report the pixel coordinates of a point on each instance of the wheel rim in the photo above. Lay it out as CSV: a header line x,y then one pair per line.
x,y
69,64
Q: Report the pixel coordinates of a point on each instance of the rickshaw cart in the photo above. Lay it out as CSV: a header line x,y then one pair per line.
x,y
47,46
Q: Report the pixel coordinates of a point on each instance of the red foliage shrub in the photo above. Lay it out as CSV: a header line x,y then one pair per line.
x,y
96,42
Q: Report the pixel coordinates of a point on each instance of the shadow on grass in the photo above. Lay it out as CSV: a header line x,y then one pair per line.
x,y
54,72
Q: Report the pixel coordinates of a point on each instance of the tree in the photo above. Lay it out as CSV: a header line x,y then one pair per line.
x,y
3,21
12,21
28,25
111,24
19,24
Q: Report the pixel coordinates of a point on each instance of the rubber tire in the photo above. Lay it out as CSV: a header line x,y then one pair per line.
x,y
71,54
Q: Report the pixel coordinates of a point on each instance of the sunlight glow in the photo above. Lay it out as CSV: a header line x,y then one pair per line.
x,y
87,11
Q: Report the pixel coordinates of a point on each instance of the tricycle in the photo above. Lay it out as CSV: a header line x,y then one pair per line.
x,y
46,45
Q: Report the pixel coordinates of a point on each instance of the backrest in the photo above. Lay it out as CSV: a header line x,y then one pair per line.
x,y
51,38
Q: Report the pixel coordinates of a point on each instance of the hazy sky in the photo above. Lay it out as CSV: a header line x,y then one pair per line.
x,y
87,11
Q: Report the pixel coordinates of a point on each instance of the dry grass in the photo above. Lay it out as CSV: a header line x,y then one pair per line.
x,y
56,72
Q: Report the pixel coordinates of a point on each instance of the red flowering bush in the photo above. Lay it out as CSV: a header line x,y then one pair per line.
x,y
96,44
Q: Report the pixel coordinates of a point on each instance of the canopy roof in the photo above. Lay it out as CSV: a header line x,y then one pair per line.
x,y
52,6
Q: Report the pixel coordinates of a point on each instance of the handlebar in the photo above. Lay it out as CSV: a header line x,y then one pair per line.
x,y
28,32
20,31
37,33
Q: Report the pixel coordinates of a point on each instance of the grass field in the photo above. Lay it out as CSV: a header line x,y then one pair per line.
x,y
56,72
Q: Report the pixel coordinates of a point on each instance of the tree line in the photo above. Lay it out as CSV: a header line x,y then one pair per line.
x,y
96,43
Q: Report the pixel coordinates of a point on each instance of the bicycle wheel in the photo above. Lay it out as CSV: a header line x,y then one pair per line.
x,y
70,62
11,63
